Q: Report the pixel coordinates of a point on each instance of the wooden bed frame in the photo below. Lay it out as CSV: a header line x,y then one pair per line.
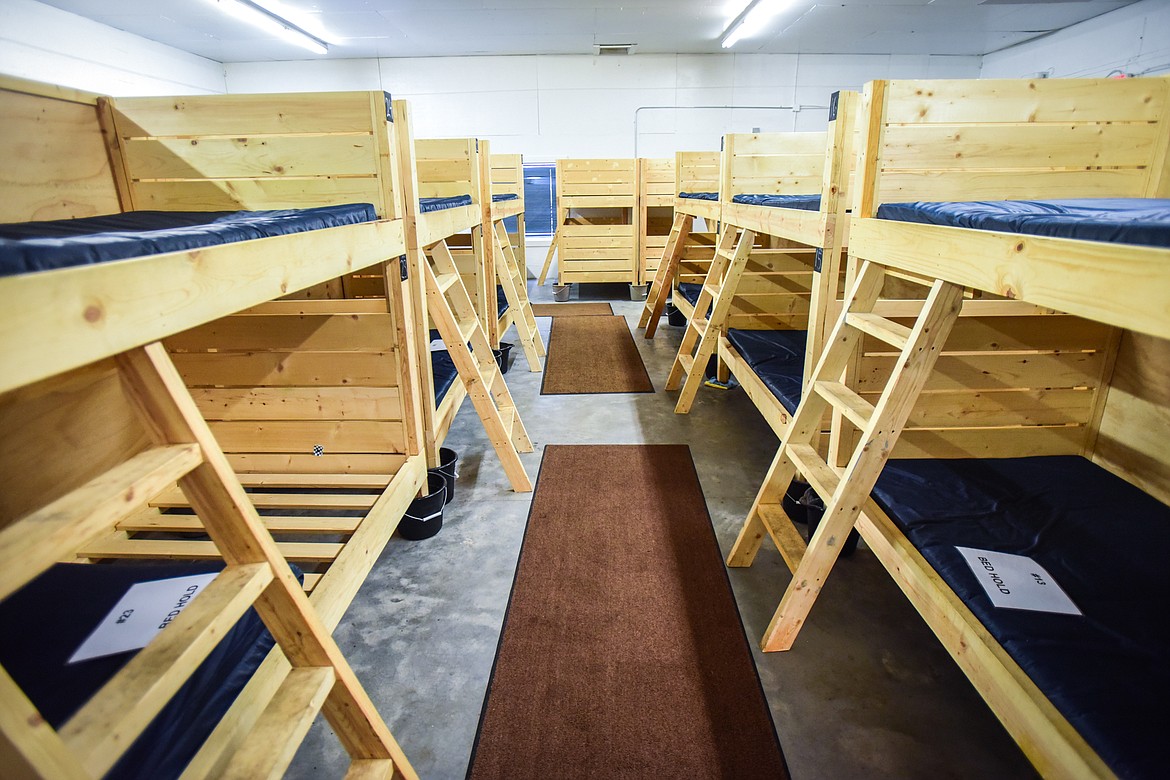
x,y
90,399
655,213
505,176
597,221
1090,382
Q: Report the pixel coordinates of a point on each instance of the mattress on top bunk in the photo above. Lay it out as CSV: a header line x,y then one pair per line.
x,y
777,358
700,195
1143,221
439,204
1102,540
802,202
42,246
504,196
47,620
690,291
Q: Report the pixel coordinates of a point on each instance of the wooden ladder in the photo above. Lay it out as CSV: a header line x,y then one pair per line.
x,y
664,276
702,334
255,575
513,279
548,257
843,491
454,315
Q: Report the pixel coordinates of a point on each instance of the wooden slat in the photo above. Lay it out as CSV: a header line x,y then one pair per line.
x,y
190,523
329,332
175,498
183,549
243,157
785,535
243,115
849,403
273,742
879,327
820,475
108,724
370,769
288,368
34,543
299,403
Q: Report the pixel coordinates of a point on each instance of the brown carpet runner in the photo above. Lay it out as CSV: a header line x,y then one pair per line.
x,y
571,309
593,355
622,653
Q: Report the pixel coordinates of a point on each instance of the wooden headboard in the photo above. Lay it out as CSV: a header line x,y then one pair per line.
x,y
696,172
772,163
55,160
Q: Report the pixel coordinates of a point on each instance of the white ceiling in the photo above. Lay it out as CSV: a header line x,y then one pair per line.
x,y
422,28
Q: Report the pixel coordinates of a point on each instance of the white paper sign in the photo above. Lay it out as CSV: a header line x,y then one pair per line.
x,y
1017,582
138,617
437,345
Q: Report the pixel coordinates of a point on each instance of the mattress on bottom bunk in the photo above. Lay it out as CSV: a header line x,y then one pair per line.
x,y
777,358
501,301
503,197
690,291
700,195
439,204
1102,540
1143,221
43,246
802,202
444,373
47,620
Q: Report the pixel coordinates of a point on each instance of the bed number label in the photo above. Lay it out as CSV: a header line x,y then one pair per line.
x,y
1017,582
138,617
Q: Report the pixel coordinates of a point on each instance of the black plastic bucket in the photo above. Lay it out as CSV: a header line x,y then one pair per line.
x,y
448,469
795,510
503,356
424,516
674,316
815,510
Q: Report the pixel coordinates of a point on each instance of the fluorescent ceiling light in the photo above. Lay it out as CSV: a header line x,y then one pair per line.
x,y
253,14
751,20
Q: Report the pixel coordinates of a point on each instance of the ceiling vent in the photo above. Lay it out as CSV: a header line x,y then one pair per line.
x,y
614,49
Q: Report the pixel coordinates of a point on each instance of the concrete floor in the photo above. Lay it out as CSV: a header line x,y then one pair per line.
x,y
867,691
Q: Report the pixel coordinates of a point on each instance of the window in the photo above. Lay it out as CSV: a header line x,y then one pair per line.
x,y
540,187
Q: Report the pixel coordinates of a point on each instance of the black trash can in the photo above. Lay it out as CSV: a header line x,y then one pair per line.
x,y
815,510
674,316
795,510
448,469
503,356
424,516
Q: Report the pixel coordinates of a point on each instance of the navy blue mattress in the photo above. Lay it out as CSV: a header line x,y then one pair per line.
x,y
700,195
690,291
438,204
802,202
444,372
1144,221
1104,542
505,196
53,621
42,246
777,358
501,302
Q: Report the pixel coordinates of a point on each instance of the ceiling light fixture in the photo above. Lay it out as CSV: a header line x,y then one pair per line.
x,y
255,14
750,20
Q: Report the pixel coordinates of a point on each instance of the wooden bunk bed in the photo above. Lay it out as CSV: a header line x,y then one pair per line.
x,y
596,237
1060,456
778,258
503,181
442,193
655,213
101,423
687,252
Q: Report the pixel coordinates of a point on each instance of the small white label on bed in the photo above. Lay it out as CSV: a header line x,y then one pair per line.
x,y
138,617
1017,582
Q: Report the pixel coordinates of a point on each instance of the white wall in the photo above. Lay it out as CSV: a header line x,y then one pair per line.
x,y
43,43
1134,39
548,106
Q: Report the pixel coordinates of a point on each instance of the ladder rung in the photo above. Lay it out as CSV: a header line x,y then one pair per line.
x,y
193,549
102,730
686,361
270,746
370,769
466,329
725,255
508,419
857,409
712,291
880,328
820,475
39,540
699,324
779,526
446,281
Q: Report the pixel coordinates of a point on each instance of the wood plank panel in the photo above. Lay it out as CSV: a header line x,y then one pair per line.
x,y
334,333
227,158
284,369
243,115
302,436
296,403
236,194
307,463
993,371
